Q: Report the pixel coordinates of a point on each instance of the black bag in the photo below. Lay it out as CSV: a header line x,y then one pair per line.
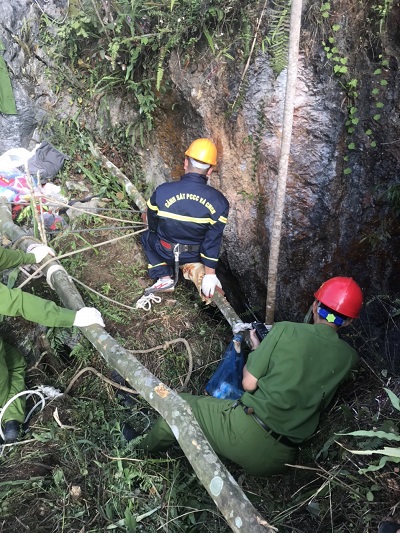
x,y
46,160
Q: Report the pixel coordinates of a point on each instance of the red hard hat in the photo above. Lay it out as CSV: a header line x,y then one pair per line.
x,y
342,295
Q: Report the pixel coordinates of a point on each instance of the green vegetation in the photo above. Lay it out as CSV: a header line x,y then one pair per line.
x,y
389,432
344,68
277,38
124,47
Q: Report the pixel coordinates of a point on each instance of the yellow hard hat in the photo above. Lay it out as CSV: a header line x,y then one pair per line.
x,y
203,150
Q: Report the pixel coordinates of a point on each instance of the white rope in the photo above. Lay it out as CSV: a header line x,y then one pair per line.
x,y
26,272
146,300
43,391
241,326
27,393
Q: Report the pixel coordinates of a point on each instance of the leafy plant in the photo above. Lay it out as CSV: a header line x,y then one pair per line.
x,y
389,454
277,38
383,8
125,45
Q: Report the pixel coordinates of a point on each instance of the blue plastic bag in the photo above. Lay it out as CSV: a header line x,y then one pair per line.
x,y
226,382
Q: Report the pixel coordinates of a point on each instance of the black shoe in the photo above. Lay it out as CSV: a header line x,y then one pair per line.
x,y
124,398
11,431
129,432
388,527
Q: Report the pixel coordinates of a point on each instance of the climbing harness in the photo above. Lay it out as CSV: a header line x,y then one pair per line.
x,y
176,252
177,249
146,300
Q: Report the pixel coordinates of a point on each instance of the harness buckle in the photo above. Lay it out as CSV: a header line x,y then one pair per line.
x,y
176,251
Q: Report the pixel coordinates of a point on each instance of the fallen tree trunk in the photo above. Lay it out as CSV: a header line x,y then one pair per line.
x,y
223,489
130,189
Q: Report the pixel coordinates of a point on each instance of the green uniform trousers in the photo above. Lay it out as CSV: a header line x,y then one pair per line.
x,y
12,372
232,434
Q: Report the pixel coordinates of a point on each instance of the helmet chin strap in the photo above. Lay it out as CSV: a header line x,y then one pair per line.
x,y
330,317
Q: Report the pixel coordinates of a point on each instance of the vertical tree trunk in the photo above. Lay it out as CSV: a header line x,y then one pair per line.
x,y
295,25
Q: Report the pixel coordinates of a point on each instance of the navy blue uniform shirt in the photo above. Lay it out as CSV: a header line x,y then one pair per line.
x,y
189,211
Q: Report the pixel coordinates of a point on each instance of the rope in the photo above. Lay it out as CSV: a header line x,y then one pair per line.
x,y
102,295
27,393
89,230
146,300
37,274
81,250
63,204
53,200
100,375
27,274
24,238
127,389
164,347
45,392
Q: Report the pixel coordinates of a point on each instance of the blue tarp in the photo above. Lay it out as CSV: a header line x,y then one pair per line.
x,y
226,382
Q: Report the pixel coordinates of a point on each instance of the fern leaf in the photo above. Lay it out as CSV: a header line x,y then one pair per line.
x,y
278,35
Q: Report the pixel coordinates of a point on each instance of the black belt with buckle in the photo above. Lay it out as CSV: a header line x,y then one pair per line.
x,y
181,247
279,438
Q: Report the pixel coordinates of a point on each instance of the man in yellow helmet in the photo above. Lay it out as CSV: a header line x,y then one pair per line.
x,y
186,220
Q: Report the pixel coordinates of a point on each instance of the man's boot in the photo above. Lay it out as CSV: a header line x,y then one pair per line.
x,y
11,431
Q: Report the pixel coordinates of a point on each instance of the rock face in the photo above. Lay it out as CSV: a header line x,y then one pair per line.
x,y
327,213
36,97
337,222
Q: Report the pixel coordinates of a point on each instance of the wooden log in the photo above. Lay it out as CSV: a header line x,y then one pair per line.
x,y
130,189
283,164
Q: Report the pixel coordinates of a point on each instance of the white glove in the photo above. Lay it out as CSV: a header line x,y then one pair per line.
x,y
40,251
210,281
88,316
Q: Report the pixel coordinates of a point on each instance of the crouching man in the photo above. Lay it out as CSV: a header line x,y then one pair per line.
x,y
288,379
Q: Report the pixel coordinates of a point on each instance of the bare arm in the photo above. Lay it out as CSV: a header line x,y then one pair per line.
x,y
249,382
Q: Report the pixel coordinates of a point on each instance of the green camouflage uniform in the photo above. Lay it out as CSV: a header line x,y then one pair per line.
x,y
14,302
298,367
